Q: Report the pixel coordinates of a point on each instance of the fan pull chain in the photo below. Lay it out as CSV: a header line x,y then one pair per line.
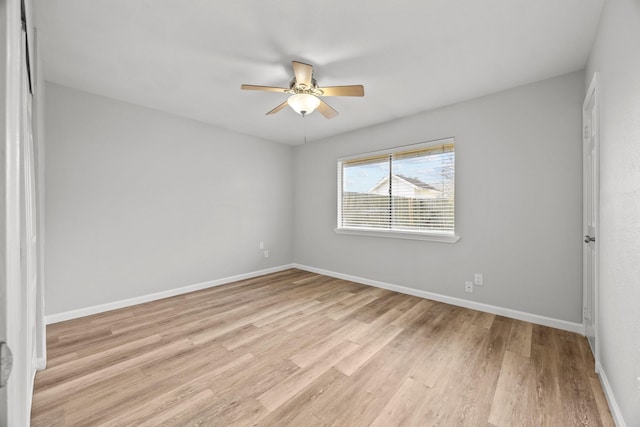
x,y
304,128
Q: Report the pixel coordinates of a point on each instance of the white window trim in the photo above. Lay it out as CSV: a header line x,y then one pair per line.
x,y
411,235
396,234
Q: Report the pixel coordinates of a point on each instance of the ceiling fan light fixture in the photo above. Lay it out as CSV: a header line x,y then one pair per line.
x,y
303,103
305,93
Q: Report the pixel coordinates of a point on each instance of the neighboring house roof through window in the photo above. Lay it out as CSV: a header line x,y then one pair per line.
x,y
382,186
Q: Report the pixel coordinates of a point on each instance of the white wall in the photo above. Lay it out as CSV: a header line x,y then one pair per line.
x,y
518,202
616,56
140,202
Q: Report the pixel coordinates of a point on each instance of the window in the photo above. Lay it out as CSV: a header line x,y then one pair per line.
x,y
405,192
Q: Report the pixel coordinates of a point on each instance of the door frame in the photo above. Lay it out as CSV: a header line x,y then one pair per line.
x,y
593,94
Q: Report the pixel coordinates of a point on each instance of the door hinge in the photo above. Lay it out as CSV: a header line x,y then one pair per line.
x,y
586,313
6,363
587,133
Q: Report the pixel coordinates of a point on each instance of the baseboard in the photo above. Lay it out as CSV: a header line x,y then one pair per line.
x,y
87,311
506,312
608,393
41,363
514,314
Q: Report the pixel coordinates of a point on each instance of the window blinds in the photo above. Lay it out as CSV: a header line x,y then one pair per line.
x,y
411,190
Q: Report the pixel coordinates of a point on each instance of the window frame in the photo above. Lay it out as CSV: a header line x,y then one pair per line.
x,y
398,234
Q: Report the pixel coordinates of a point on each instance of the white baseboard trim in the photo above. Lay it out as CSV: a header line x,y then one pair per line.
x,y
608,392
506,312
87,311
41,363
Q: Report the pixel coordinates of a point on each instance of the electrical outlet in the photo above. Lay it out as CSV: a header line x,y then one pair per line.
x,y
477,279
261,244
468,287
266,253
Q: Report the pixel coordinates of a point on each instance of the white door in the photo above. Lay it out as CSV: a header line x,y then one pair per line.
x,y
10,135
590,214
3,211
28,239
18,214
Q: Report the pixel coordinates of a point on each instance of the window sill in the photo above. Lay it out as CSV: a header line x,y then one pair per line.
x,y
443,238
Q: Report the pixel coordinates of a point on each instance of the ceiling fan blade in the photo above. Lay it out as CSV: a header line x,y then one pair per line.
x,y
266,88
326,110
353,90
278,108
303,72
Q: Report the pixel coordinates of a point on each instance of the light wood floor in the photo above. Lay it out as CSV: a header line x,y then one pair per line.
x,y
300,349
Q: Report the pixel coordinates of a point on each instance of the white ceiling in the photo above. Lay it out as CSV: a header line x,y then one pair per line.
x,y
190,57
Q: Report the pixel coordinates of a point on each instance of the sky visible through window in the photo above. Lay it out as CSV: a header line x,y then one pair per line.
x,y
428,169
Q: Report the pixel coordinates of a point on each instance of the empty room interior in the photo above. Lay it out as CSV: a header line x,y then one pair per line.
x,y
339,213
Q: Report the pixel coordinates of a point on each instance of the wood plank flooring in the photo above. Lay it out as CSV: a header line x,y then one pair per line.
x,y
300,349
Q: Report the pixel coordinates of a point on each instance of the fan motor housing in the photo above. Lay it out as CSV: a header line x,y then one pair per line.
x,y
295,88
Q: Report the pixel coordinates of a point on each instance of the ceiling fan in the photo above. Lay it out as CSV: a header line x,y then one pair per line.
x,y
305,92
